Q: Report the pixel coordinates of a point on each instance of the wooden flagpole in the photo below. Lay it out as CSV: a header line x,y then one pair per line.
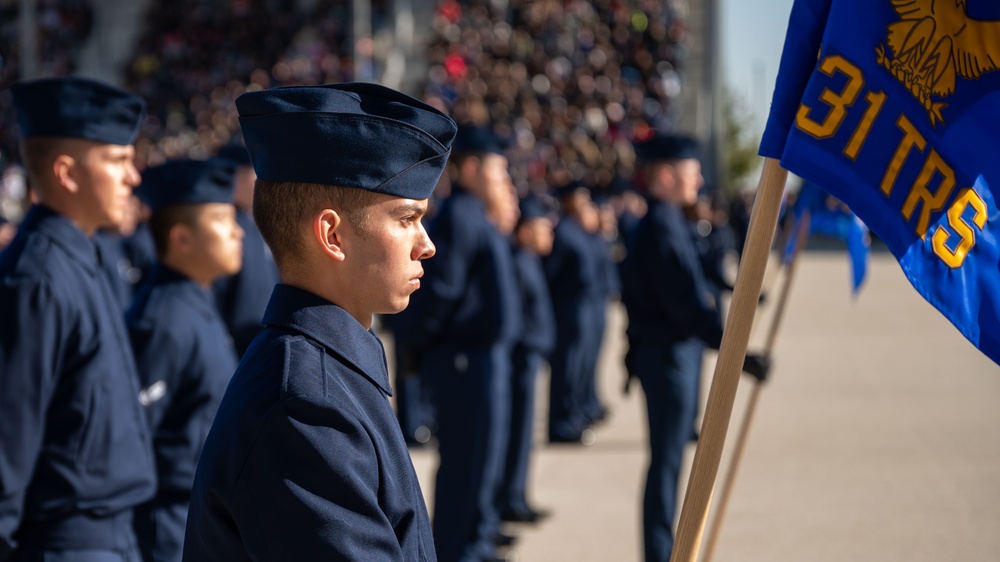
x,y
779,313
735,337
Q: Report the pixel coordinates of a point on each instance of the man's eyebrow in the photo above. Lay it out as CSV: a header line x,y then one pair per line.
x,y
407,208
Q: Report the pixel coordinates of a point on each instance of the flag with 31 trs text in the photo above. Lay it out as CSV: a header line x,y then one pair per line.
x,y
893,107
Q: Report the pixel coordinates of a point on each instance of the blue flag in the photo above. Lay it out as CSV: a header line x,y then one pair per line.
x,y
893,107
828,216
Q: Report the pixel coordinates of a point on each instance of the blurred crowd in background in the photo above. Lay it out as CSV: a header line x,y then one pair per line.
x,y
569,85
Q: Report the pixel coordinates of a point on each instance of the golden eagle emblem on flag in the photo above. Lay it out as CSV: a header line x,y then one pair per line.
x,y
934,41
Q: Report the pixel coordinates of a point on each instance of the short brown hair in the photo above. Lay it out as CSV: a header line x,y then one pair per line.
x,y
165,218
38,153
280,210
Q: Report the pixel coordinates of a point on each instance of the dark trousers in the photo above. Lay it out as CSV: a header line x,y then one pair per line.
x,y
669,372
159,528
592,407
78,538
470,387
568,365
511,495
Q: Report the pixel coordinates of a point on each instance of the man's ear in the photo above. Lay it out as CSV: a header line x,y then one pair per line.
x,y
328,231
63,166
181,238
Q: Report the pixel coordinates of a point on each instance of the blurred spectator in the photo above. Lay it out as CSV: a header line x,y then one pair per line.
x,y
568,83
195,58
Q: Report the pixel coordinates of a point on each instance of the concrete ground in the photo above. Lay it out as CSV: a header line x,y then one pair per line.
x,y
877,438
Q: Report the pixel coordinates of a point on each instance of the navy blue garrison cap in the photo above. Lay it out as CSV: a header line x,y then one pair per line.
x,y
667,147
180,182
532,207
350,135
475,139
236,153
77,108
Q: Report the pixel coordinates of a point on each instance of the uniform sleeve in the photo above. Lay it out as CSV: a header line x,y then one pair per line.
x,y
30,360
311,490
158,357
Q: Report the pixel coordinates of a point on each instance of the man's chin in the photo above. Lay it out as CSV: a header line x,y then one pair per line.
x,y
398,306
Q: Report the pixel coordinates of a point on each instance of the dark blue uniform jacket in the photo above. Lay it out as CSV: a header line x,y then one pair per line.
x,y
73,437
468,296
538,332
243,297
185,359
306,460
573,269
665,291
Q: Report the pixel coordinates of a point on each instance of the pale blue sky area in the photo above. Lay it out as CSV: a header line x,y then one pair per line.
x,y
753,32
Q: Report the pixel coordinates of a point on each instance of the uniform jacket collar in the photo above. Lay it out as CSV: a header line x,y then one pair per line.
x,y
65,234
193,293
332,327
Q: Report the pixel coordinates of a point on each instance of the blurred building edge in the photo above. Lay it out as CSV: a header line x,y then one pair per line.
x,y
698,108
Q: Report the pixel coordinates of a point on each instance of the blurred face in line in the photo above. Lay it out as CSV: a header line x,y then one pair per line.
x,y
502,208
590,218
101,178
211,247
536,235
678,182
491,175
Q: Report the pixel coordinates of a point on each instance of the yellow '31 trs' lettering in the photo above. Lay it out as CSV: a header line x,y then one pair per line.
x,y
923,199
838,102
966,198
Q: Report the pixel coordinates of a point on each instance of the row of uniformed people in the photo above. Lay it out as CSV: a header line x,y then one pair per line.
x,y
456,337
498,299
458,334
77,452
93,431
128,254
182,349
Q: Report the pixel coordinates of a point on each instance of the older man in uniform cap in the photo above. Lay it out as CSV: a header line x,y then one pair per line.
x,y
462,330
243,297
75,454
183,351
305,459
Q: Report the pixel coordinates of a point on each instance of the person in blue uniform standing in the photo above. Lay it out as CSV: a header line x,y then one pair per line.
x,y
76,454
601,225
243,297
462,328
182,349
671,320
573,274
305,459
532,240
